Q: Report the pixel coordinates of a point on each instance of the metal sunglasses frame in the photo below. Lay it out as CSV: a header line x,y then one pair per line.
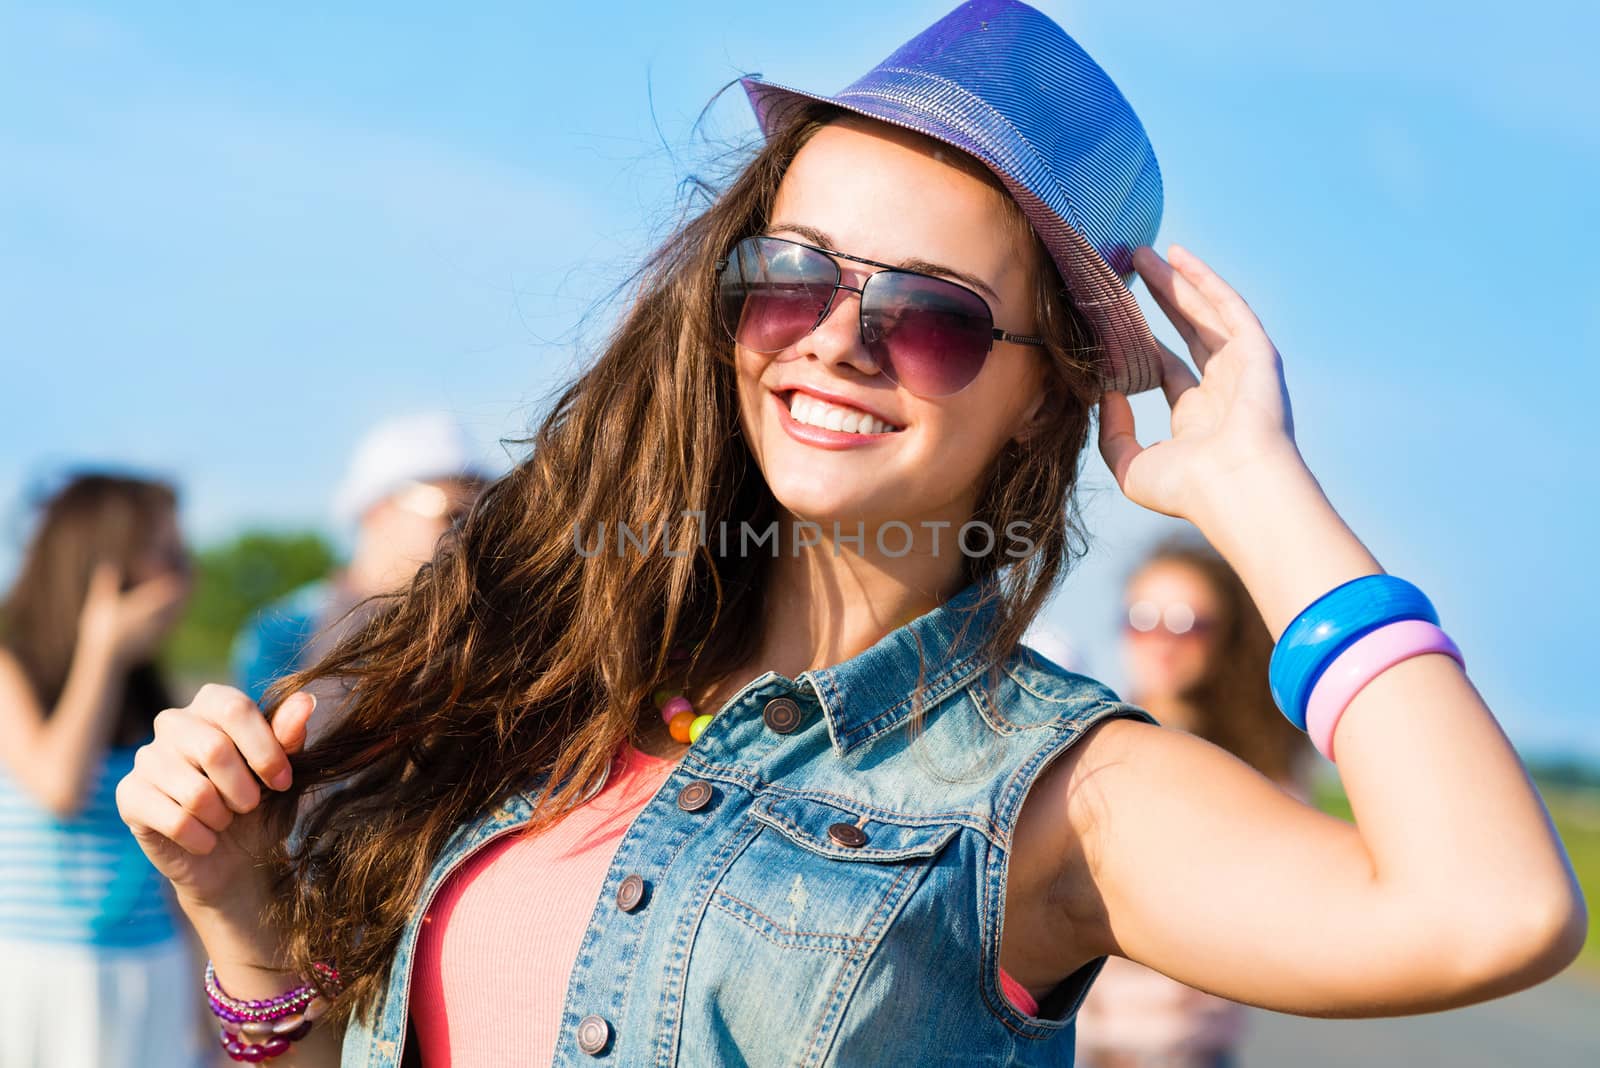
x,y
860,291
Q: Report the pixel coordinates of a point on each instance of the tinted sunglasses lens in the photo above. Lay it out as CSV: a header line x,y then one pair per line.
x,y
928,335
772,293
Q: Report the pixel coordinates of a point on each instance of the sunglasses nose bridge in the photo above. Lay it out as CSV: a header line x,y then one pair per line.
x,y
833,299
858,353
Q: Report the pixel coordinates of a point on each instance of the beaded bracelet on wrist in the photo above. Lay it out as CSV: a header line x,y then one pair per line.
x,y
261,1029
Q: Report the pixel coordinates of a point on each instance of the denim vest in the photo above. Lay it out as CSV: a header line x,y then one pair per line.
x,y
819,887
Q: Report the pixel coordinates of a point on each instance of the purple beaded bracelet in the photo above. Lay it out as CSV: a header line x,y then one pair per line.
x,y
260,1030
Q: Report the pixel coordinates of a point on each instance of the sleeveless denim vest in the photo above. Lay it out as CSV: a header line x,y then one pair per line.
x,y
820,887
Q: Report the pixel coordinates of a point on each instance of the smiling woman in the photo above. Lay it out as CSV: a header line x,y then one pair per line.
x,y
815,803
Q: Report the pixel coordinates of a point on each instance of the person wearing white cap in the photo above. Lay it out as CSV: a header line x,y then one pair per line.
x,y
409,479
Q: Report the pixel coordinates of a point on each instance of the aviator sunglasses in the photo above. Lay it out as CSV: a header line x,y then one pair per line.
x,y
928,334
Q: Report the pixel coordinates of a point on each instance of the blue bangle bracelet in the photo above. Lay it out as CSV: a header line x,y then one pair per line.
x,y
1328,626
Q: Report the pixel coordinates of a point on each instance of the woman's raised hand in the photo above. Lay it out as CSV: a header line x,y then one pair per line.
x,y
129,624
192,797
1233,420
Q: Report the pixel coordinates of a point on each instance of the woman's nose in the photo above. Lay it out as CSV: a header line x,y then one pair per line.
x,y
837,339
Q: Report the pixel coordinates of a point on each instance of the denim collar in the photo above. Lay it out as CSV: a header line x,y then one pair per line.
x,y
871,693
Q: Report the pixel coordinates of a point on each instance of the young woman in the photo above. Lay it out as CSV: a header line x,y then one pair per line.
x,y
1197,654
96,970
879,833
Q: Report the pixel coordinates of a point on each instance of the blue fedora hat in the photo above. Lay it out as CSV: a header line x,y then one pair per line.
x,y
1003,82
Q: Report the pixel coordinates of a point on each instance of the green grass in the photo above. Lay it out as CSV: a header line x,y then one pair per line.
x,y
1577,816
1576,812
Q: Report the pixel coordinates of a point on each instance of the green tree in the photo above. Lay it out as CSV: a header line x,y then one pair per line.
x,y
235,579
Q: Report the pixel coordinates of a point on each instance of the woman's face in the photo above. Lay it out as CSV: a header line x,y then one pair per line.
x,y
164,553
878,192
1170,615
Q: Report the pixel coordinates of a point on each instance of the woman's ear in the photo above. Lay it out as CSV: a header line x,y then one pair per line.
x,y
1041,412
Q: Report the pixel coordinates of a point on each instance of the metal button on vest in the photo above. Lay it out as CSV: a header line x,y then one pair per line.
x,y
593,1034
781,715
630,893
694,796
848,835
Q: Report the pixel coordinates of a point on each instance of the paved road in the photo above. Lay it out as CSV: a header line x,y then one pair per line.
x,y
1554,1025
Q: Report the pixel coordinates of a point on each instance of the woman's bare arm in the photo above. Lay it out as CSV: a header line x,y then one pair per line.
x,y
53,757
1452,887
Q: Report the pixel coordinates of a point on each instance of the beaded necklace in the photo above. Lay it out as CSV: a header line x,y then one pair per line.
x,y
683,722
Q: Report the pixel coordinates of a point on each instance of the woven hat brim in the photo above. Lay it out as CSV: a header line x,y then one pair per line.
x,y
1129,353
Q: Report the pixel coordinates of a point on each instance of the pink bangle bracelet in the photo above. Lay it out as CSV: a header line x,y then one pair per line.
x,y
1367,658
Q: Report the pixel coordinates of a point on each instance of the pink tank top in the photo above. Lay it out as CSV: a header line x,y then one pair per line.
x,y
502,935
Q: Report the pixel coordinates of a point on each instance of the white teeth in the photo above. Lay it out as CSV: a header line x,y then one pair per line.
x,y
813,412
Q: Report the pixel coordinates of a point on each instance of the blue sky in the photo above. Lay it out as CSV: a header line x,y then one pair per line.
x,y
232,238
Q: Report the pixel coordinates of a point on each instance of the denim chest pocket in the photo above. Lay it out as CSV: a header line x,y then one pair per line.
x,y
791,922
823,877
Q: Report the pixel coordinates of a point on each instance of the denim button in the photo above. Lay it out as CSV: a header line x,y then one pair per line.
x,y
630,893
593,1034
848,835
695,796
781,715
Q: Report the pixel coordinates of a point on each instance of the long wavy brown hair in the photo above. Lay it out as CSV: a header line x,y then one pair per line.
x,y
94,517
1232,701
513,658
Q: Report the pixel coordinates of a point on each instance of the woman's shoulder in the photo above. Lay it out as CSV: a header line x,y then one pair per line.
x,y
1036,691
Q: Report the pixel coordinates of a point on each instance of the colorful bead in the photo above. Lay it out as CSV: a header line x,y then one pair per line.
x,y
698,727
256,1031
289,1024
680,727
663,695
674,706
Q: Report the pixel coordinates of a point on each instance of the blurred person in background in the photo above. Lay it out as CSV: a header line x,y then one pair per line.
x,y
410,479
1197,653
96,968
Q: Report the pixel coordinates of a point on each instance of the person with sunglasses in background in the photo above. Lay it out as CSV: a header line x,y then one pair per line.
x,y
410,479
708,737
1197,654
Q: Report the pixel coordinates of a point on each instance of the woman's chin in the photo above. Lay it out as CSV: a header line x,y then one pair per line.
x,y
827,506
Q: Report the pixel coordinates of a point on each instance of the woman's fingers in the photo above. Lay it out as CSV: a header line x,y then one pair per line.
x,y
1226,304
210,750
146,809
105,582
1202,329
232,712
1176,378
1118,444
182,781
1162,290
161,594
289,723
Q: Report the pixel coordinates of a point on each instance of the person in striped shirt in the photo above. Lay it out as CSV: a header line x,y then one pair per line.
x,y
97,971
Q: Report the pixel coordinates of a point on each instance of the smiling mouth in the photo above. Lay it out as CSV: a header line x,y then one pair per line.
x,y
812,411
